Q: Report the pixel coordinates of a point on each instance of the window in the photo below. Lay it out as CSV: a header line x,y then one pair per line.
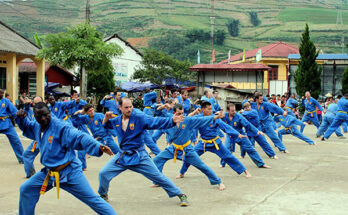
x,y
2,78
273,73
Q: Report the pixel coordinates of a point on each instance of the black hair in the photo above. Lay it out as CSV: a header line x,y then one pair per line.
x,y
73,92
257,95
205,104
40,105
87,107
177,107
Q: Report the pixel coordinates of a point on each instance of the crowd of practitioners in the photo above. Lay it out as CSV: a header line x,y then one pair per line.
x,y
65,132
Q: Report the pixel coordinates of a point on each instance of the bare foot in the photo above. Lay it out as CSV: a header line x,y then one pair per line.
x,y
222,186
84,169
266,166
286,152
221,166
314,144
247,174
180,176
154,185
275,157
88,156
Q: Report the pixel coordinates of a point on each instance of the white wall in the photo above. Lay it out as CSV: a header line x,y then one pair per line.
x,y
124,65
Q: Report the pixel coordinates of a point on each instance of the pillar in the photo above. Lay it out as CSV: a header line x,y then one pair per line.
x,y
40,78
12,77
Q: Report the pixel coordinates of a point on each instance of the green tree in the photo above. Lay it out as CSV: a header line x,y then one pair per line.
x,y
233,27
101,81
307,76
158,66
220,36
80,46
254,19
345,81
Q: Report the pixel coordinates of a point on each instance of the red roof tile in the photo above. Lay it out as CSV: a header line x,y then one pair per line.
x,y
278,49
230,67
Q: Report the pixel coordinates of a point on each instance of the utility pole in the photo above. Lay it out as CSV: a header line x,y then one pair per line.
x,y
339,23
212,18
83,73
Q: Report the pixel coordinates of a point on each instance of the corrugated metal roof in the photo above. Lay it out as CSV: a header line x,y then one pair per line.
x,y
230,67
11,41
322,57
276,50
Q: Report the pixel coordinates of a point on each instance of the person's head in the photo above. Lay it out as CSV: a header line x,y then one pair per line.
x,y
206,108
308,94
231,109
89,110
293,96
24,94
1,93
330,100
147,90
42,114
158,100
185,94
178,109
140,96
74,94
36,100
283,98
7,95
247,106
175,94
171,103
346,95
126,106
278,97
206,93
51,100
273,96
259,98
215,94
117,95
255,93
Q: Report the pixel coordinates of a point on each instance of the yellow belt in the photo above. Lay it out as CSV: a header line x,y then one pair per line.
x,y
54,174
289,108
181,148
34,146
311,112
114,115
212,141
288,129
341,111
66,117
148,107
3,117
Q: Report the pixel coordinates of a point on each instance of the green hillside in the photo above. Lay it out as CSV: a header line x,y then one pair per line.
x,y
144,20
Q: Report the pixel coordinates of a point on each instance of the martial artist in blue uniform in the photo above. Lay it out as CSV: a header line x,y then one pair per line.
x,y
181,147
59,108
166,110
341,116
328,119
266,120
252,116
289,122
215,103
211,142
186,103
311,111
57,141
238,122
148,100
290,105
32,150
94,121
7,109
130,128
111,103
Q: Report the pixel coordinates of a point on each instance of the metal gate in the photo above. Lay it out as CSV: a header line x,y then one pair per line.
x,y
278,87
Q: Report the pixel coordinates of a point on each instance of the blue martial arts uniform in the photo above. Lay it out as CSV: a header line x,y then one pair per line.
x,y
133,155
340,118
148,98
97,129
215,104
158,133
328,119
7,109
211,142
291,104
186,104
311,112
266,121
59,108
289,122
111,105
238,122
182,148
253,117
57,144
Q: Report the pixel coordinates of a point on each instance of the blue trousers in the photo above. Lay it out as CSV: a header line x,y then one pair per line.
x,y
149,112
77,185
15,142
223,153
325,123
157,134
246,145
338,121
290,112
28,159
294,131
266,127
81,155
146,167
150,143
313,117
194,135
261,140
191,157
345,127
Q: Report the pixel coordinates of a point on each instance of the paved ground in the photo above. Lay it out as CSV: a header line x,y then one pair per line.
x,y
309,180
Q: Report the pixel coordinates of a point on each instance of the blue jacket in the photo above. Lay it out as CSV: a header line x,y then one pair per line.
x,y
265,109
112,105
148,98
7,109
311,104
238,122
